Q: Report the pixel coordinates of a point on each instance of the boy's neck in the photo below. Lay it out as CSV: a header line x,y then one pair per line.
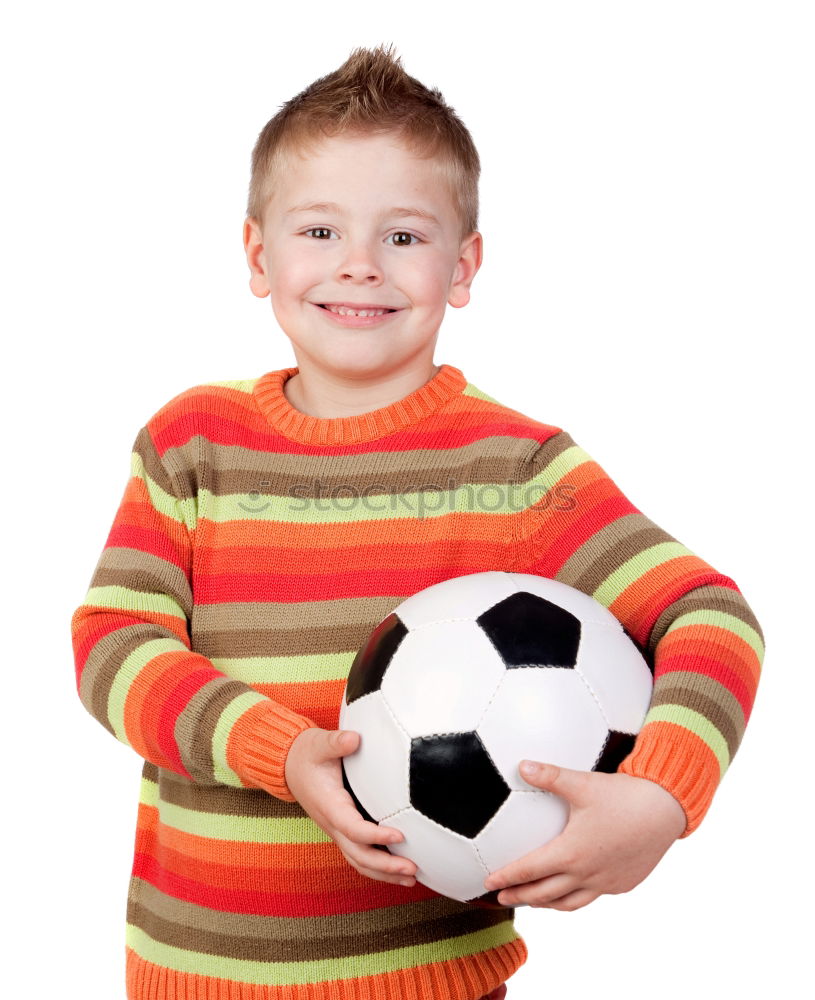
x,y
320,394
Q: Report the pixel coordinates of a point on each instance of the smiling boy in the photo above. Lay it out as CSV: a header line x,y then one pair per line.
x,y
222,618
386,234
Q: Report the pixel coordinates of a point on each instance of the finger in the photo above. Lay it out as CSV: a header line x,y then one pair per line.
x,y
361,831
339,743
562,781
376,864
540,892
543,862
573,900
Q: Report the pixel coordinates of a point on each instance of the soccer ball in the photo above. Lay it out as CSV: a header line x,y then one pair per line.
x,y
456,686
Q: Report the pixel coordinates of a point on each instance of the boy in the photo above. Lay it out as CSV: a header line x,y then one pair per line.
x,y
240,578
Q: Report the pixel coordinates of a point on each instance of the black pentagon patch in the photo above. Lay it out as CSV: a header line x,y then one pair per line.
x,y
454,782
616,748
530,631
371,662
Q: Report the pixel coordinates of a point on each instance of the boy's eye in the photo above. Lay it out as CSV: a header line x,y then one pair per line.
x,y
410,236
400,241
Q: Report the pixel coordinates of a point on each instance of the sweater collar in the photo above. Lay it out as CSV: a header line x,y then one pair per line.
x,y
445,384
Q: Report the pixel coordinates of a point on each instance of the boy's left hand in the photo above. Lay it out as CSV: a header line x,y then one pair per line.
x,y
619,827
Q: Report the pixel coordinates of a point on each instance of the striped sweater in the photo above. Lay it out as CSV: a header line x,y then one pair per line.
x,y
254,550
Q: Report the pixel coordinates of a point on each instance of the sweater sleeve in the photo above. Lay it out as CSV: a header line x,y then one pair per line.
x,y
693,625
135,669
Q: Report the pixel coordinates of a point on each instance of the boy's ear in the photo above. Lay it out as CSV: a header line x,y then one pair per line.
x,y
253,245
469,262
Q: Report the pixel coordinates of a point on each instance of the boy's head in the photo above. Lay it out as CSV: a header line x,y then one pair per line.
x,y
361,146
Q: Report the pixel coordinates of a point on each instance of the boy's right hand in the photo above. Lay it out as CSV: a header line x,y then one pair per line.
x,y
314,776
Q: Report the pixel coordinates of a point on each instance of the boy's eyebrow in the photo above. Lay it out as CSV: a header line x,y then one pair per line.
x,y
394,213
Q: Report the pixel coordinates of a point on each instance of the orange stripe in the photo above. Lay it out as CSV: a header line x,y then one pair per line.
x,y
206,399
669,754
159,676
456,979
279,536
647,596
169,622
247,866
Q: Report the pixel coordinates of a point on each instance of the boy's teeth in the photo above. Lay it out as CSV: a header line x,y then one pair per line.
x,y
343,311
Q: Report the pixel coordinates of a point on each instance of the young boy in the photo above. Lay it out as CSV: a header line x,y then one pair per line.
x,y
270,524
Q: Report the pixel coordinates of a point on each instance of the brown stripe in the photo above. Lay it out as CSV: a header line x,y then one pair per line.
x,y
195,726
253,629
693,691
146,574
233,469
280,939
705,598
285,642
146,450
331,613
224,800
542,454
103,663
620,543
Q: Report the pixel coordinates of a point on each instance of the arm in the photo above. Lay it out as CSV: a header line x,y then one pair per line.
x,y
691,622
135,669
706,650
137,674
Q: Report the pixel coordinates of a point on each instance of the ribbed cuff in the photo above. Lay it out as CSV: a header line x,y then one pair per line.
x,y
263,747
668,755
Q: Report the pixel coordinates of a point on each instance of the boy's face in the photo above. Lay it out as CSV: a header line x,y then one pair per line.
x,y
361,250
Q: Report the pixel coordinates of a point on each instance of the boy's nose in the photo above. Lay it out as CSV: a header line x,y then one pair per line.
x,y
360,263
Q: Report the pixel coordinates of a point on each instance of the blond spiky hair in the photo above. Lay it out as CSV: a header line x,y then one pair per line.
x,y
370,94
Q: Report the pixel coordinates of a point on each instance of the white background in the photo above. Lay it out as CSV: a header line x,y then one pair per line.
x,y
648,217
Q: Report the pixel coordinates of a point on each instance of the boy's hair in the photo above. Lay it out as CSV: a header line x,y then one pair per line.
x,y
370,94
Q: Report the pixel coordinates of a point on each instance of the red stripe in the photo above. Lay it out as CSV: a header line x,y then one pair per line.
x,y
172,705
220,430
277,904
578,530
715,669
643,618
135,536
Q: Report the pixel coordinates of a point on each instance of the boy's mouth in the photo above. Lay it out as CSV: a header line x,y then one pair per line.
x,y
343,309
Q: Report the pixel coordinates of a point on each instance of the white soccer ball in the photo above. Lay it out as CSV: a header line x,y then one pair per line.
x,y
456,686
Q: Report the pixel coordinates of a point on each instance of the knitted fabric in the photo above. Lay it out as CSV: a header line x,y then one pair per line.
x,y
253,552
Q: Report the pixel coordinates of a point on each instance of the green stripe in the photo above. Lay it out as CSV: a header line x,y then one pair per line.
x,y
131,667
285,669
302,973
478,498
470,390
241,829
182,511
222,772
148,794
721,619
241,384
125,599
551,474
637,566
699,724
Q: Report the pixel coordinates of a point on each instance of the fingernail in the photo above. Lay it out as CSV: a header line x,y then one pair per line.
x,y
528,767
